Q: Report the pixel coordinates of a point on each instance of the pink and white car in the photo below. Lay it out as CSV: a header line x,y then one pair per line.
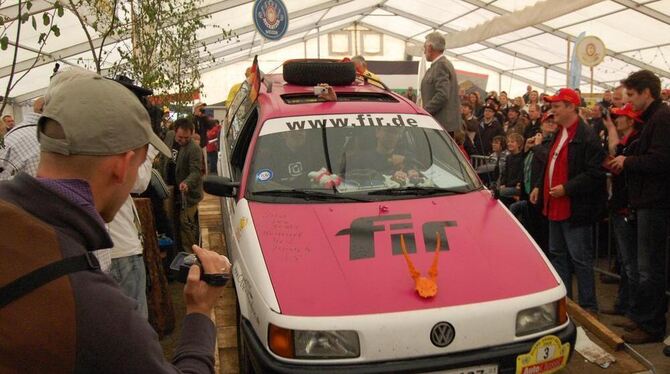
x,y
336,215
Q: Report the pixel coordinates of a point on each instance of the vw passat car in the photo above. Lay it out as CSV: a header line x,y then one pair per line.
x,y
363,241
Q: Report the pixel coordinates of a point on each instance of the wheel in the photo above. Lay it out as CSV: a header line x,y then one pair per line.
x,y
313,72
243,359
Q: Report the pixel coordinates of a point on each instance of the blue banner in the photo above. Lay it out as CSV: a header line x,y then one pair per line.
x,y
270,18
576,65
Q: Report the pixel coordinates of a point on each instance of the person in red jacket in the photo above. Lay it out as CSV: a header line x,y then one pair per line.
x,y
213,145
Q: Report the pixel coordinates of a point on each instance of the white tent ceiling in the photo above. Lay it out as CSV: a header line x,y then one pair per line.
x,y
636,33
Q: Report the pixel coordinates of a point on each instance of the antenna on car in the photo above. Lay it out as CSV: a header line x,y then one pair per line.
x,y
366,78
268,84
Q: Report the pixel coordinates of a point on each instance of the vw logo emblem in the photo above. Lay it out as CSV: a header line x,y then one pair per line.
x,y
442,334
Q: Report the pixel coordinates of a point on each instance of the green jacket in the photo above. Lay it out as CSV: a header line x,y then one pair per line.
x,y
188,168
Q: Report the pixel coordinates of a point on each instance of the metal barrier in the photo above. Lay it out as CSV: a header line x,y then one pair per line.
x,y
485,167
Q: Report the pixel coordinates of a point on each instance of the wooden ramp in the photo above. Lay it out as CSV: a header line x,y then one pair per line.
x,y
224,313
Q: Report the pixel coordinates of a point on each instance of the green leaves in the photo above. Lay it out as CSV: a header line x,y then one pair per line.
x,y
55,30
4,42
46,19
59,9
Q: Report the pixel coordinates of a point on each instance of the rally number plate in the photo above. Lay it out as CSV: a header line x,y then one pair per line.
x,y
485,369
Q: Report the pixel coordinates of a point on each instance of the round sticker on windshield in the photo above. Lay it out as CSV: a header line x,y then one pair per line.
x,y
264,175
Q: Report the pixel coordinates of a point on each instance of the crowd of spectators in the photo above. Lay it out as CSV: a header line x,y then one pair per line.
x,y
562,167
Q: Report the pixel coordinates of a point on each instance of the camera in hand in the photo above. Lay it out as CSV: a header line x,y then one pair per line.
x,y
182,263
320,90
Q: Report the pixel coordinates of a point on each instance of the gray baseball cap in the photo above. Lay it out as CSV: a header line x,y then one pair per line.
x,y
99,117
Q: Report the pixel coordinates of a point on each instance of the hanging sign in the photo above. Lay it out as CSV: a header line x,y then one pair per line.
x,y
590,51
270,18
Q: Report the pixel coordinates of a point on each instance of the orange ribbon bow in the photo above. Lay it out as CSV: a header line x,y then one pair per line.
x,y
426,287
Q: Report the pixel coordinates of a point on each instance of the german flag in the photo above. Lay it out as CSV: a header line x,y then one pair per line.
x,y
255,80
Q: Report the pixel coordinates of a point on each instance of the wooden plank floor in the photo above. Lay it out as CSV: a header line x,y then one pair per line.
x,y
224,313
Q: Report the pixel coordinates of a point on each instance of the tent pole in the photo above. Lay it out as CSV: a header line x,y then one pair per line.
x,y
318,42
567,65
591,81
499,82
545,79
304,49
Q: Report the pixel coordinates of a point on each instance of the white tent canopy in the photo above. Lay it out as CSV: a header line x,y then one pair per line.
x,y
635,33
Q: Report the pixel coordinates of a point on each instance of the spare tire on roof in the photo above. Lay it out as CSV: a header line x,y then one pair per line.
x,y
313,72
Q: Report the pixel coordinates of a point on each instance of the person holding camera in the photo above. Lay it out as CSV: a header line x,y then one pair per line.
x,y
622,135
648,181
58,312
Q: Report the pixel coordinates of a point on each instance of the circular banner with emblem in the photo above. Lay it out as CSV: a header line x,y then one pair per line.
x,y
590,51
270,18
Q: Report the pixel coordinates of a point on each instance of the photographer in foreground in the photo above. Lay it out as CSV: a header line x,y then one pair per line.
x,y
94,135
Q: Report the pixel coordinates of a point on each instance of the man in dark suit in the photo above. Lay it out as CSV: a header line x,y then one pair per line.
x,y
439,87
183,171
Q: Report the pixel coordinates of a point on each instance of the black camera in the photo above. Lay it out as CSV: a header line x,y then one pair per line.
x,y
605,111
182,263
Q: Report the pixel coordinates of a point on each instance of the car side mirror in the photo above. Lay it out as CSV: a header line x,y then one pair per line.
x,y
219,186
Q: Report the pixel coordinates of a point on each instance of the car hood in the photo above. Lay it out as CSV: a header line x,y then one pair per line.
x,y
345,258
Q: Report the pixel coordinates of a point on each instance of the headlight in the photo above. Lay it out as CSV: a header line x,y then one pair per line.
x,y
310,344
543,317
326,344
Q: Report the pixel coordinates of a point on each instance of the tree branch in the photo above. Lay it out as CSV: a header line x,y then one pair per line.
x,y
109,31
39,53
11,73
73,9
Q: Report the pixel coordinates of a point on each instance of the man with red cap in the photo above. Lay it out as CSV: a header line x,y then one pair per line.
x,y
573,196
622,133
648,182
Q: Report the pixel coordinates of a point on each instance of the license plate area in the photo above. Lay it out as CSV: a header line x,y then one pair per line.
x,y
483,369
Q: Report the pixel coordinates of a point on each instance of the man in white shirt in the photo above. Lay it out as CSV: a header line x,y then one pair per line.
x,y
127,267
21,152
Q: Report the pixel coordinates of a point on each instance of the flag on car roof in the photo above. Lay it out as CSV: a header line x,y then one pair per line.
x,y
254,80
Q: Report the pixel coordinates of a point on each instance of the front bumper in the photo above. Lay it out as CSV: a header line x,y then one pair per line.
x,y
503,355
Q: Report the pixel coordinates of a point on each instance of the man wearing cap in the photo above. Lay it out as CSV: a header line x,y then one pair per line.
x,y
648,181
58,312
573,196
513,125
622,133
489,128
439,87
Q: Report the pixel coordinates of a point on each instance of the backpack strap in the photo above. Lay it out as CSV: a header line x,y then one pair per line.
x,y
48,273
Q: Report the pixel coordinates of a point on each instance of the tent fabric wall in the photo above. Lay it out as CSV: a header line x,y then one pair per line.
x,y
635,34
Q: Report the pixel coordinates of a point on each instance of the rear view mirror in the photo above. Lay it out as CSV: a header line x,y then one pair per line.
x,y
220,186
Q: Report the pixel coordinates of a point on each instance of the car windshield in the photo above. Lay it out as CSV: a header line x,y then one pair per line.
x,y
378,156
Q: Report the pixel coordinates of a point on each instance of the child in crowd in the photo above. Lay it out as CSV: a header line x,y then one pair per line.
x,y
512,175
493,169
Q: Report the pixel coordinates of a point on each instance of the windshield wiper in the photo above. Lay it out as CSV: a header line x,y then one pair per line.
x,y
309,195
415,190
